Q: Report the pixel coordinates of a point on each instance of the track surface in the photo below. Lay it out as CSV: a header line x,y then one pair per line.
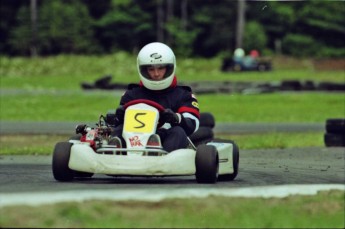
x,y
20,175
317,165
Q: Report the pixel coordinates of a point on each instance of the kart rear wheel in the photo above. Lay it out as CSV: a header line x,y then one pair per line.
x,y
61,156
207,120
262,67
235,161
206,164
202,135
237,68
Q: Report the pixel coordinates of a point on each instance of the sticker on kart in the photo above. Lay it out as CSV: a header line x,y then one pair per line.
x,y
140,121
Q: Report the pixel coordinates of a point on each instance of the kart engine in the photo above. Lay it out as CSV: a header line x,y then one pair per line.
x,y
97,136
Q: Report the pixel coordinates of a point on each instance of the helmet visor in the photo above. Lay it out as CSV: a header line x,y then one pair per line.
x,y
145,70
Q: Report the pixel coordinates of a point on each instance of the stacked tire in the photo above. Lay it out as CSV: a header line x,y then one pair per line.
x,y
205,132
335,132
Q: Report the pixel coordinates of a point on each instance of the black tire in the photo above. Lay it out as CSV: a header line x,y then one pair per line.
x,y
82,174
335,126
237,68
235,161
206,164
61,155
334,139
227,64
202,135
103,82
262,67
291,85
87,86
207,120
330,86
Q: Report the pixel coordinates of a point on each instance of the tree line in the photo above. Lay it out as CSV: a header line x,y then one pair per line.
x,y
203,28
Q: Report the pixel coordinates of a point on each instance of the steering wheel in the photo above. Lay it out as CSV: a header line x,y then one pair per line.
x,y
159,107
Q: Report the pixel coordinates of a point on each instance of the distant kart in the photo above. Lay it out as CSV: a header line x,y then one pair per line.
x,y
90,153
245,65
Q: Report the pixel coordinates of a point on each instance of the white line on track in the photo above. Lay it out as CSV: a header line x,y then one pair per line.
x,y
39,198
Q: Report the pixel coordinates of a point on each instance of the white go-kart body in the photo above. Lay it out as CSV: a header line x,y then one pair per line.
x,y
207,162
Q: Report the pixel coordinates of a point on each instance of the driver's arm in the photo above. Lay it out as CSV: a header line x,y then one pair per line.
x,y
190,114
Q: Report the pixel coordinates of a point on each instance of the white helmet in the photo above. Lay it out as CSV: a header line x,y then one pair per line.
x,y
154,54
239,52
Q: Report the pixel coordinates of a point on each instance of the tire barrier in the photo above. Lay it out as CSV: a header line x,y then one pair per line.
x,y
335,132
209,87
104,83
228,87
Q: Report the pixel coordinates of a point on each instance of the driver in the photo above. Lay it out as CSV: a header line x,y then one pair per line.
x,y
156,66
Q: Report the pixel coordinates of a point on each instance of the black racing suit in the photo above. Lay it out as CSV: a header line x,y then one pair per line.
x,y
180,100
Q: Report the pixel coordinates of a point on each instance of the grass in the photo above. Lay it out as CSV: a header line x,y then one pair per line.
x,y
78,106
48,89
325,210
276,140
67,71
44,144
274,108
29,144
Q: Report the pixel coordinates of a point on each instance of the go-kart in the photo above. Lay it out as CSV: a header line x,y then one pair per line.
x,y
246,64
91,153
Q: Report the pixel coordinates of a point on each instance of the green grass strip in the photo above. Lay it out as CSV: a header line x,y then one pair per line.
x,y
325,210
44,144
78,106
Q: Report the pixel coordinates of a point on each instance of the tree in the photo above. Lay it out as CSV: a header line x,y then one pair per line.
x,y
62,28
255,36
323,23
193,28
125,27
8,13
276,18
214,22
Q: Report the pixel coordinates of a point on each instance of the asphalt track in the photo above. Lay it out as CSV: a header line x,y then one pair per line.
x,y
28,179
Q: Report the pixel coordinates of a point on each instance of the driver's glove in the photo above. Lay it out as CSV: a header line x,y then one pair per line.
x,y
168,116
81,129
119,115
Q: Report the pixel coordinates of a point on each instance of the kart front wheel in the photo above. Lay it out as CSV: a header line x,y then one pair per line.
x,y
206,164
82,174
61,156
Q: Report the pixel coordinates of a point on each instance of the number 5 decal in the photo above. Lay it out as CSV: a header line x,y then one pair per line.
x,y
140,121
136,119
